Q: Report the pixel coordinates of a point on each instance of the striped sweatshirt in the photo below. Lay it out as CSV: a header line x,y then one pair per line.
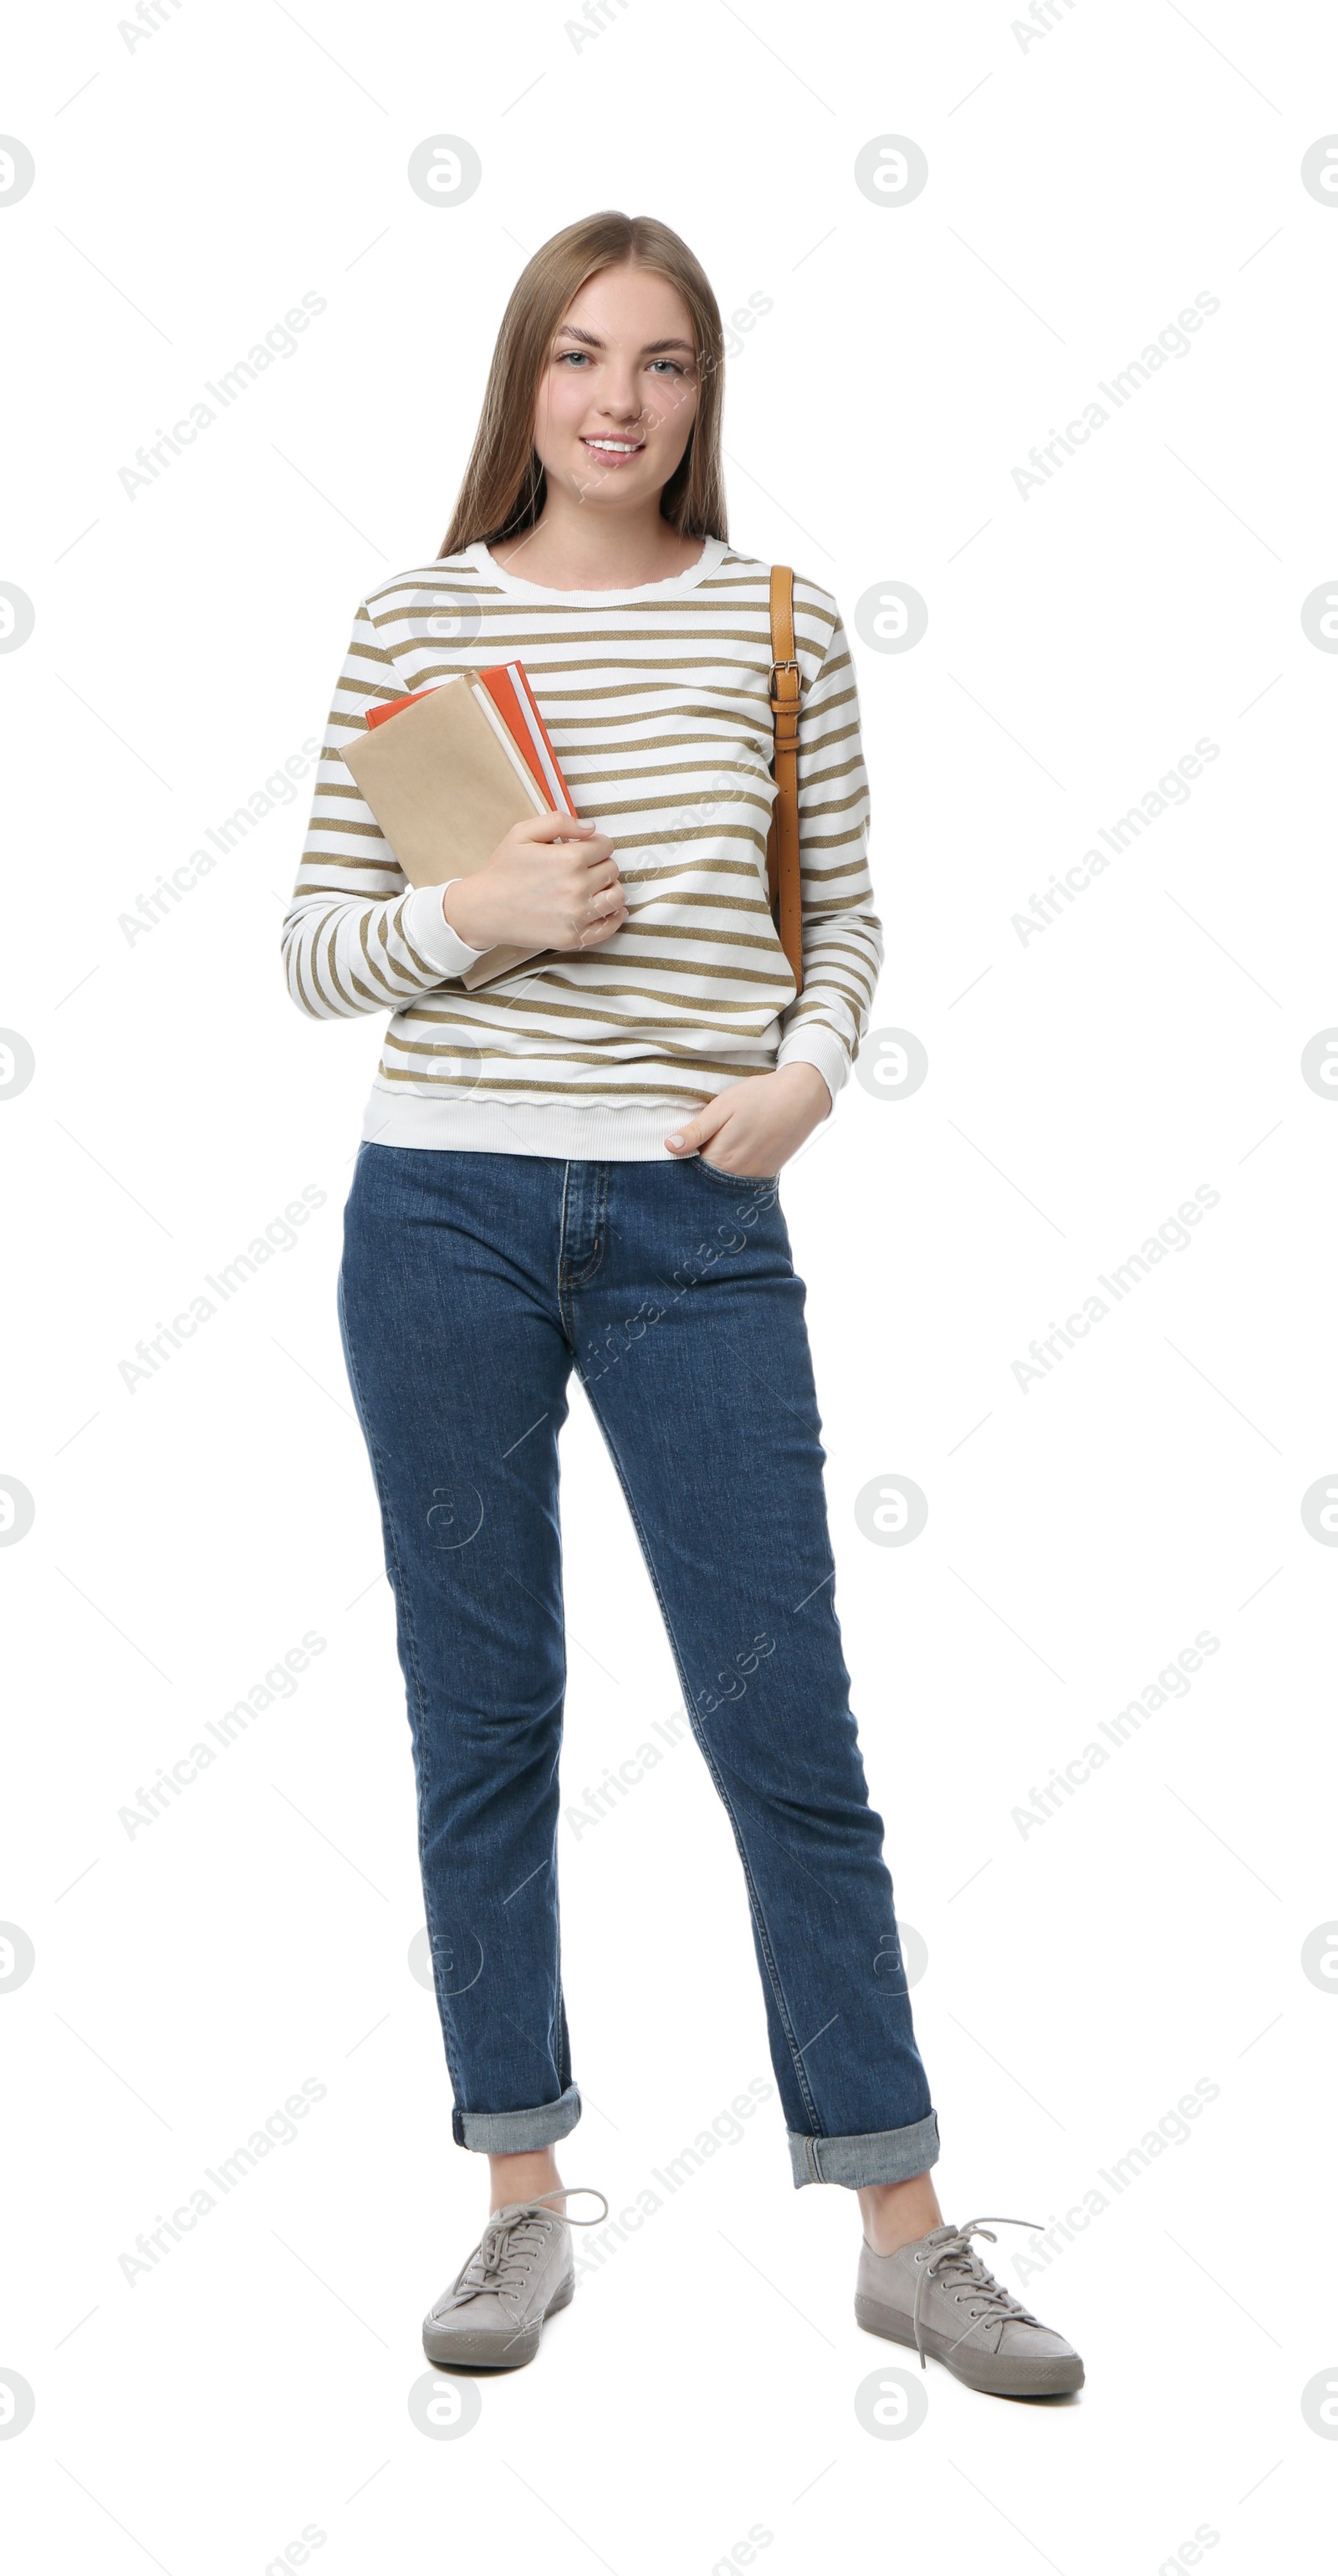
x,y
657,701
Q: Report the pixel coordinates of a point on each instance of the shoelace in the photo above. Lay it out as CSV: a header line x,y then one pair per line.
x,y
513,2238
956,2260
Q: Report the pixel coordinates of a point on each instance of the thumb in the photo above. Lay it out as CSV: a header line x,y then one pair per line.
x,y
559,826
691,1134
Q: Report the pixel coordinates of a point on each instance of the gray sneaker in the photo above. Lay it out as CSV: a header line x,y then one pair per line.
x,y
938,2296
519,2273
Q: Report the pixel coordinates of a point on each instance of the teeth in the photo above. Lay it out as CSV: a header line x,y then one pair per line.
x,y
615,446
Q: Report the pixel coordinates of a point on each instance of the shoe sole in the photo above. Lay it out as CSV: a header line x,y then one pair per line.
x,y
447,2344
993,2374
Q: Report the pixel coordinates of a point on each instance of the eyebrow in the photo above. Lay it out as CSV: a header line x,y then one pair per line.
x,y
652,349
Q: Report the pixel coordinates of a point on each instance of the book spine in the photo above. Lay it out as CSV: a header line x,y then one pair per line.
x,y
538,733
540,802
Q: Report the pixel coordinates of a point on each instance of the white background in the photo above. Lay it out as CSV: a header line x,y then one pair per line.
x,y
1082,190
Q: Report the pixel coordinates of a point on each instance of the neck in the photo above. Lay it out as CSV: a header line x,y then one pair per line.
x,y
575,546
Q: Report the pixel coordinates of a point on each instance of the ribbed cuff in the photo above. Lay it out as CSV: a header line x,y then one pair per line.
x,y
885,2155
811,1045
428,930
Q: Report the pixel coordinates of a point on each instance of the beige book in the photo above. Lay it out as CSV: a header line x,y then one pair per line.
x,y
446,784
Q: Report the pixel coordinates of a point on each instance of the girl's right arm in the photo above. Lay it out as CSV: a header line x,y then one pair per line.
x,y
357,937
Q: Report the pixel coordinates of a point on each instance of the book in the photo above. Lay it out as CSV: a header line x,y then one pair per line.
x,y
508,685
447,771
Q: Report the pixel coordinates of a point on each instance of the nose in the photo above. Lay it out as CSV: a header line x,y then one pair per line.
x,y
621,399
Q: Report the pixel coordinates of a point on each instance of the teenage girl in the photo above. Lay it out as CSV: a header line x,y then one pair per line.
x,y
574,1165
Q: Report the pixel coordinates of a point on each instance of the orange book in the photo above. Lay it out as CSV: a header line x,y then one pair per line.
x,y
507,684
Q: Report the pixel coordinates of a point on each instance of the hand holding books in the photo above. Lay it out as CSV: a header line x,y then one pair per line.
x,y
466,786
542,888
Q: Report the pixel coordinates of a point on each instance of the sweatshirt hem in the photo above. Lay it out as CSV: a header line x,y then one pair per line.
x,y
595,1132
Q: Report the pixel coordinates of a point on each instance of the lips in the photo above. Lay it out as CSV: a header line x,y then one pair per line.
x,y
614,451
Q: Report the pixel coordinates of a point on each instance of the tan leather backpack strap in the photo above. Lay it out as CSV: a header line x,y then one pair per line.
x,y
783,885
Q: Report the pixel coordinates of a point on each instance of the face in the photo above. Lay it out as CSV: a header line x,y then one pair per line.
x,y
619,395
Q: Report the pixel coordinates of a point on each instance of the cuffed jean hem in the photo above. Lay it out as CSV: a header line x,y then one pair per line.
x,y
517,2133
884,2155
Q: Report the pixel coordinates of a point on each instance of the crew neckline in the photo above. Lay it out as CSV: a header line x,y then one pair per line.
x,y
713,549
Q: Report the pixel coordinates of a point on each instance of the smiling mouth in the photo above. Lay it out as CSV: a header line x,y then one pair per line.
x,y
614,446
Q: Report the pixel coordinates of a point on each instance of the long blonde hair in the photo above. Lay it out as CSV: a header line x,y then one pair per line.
x,y
504,485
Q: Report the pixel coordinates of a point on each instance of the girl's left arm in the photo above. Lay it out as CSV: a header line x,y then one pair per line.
x,y
842,936
754,1126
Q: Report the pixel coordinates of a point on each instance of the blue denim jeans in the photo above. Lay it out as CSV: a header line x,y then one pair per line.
x,y
472,1284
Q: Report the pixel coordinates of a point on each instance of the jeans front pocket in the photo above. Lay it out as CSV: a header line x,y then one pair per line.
x,y
738,1180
